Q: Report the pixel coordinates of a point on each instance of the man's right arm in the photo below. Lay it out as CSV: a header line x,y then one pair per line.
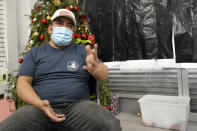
x,y
26,92
28,95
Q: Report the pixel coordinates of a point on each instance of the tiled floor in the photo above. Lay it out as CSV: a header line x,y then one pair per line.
x,y
130,122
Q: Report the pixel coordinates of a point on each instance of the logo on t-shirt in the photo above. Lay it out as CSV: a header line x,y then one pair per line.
x,y
72,65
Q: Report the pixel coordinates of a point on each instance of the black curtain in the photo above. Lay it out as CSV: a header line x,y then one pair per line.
x,y
139,29
194,29
183,30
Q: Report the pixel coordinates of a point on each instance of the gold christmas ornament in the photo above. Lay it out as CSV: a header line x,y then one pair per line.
x,y
34,19
11,79
138,114
40,13
31,42
56,2
86,30
28,48
48,17
40,3
86,24
13,86
35,34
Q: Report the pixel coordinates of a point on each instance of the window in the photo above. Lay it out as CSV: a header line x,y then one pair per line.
x,y
3,49
3,60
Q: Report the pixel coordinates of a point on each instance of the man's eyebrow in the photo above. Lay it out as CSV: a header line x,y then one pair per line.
x,y
71,23
59,20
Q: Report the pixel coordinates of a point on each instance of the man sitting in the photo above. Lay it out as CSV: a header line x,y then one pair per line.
x,y
53,80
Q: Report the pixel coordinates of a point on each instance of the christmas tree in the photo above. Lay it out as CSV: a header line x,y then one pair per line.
x,y
40,19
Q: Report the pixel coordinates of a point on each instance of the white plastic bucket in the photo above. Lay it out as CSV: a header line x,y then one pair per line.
x,y
170,112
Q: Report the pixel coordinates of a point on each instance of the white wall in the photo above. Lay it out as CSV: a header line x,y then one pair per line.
x,y
17,32
17,29
11,33
23,9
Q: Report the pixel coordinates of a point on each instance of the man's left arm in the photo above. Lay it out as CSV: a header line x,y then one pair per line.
x,y
98,70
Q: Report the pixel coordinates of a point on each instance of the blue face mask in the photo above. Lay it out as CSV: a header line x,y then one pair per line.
x,y
62,36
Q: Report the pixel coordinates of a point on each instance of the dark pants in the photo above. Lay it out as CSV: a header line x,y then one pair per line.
x,y
80,116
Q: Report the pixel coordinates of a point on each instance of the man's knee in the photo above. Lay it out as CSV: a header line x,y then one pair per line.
x,y
101,119
93,117
24,117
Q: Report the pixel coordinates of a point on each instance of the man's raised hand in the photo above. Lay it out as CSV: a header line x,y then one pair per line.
x,y
92,59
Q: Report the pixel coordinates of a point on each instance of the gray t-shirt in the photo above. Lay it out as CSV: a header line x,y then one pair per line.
x,y
58,74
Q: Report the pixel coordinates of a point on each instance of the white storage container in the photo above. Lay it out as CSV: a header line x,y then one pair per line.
x,y
170,112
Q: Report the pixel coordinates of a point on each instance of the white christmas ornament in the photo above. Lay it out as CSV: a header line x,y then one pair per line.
x,y
31,42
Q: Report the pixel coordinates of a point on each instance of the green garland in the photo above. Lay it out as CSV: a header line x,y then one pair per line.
x,y
105,94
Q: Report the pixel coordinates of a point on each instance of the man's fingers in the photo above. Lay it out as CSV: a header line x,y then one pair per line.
x,y
95,51
89,65
92,58
60,115
88,50
57,119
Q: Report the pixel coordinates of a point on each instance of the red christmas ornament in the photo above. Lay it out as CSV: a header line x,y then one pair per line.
x,y
83,17
41,37
75,8
118,120
105,106
110,108
36,7
44,21
77,35
32,20
20,60
68,8
91,37
84,36
89,23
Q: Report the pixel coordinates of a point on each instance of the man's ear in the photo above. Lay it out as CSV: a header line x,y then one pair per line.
x,y
50,29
